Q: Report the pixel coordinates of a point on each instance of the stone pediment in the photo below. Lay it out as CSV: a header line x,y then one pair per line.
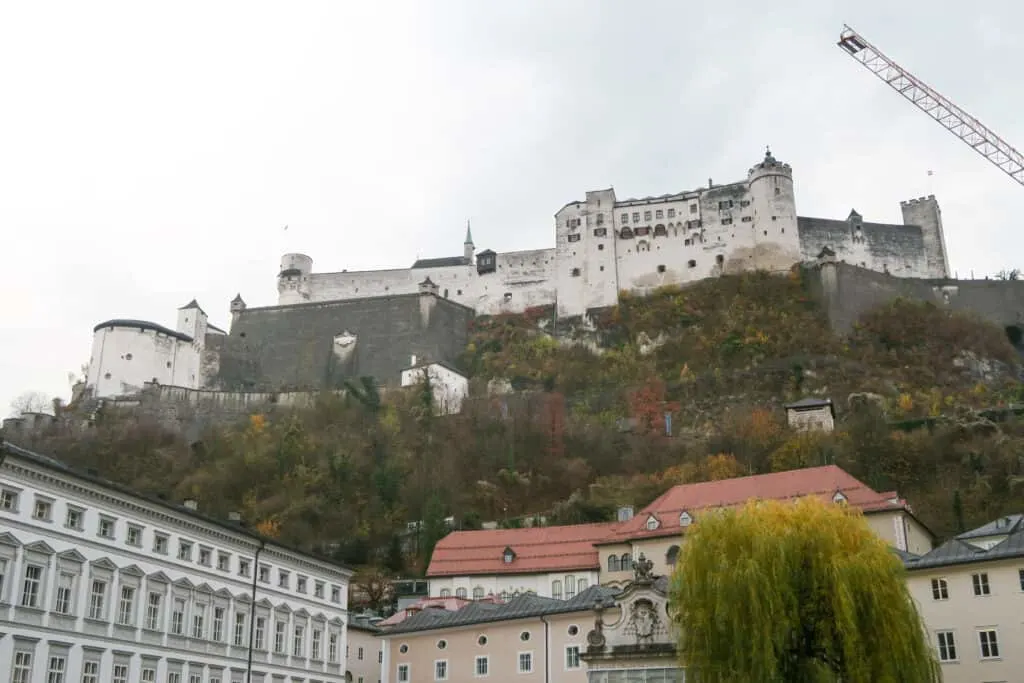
x,y
103,563
133,570
337,621
319,616
223,593
184,583
301,613
40,547
158,577
284,607
8,539
71,556
264,602
204,588
243,597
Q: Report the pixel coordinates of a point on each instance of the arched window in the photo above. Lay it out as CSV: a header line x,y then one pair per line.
x,y
613,563
672,555
625,234
460,593
556,589
445,593
570,587
581,585
626,562
478,593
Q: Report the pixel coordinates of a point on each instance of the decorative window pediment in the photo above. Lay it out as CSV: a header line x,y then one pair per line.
x,y
103,563
320,617
223,593
243,597
685,518
204,588
40,547
301,613
132,570
284,607
158,577
71,556
264,602
337,621
184,583
9,540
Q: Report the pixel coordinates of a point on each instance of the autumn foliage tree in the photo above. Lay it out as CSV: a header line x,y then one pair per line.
x,y
798,592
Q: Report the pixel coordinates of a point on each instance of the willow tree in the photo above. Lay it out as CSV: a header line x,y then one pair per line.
x,y
795,592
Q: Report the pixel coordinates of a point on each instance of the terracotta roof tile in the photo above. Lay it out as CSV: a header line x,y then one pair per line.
x,y
824,482
537,549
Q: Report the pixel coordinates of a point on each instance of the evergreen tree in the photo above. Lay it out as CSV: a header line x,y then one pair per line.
x,y
798,592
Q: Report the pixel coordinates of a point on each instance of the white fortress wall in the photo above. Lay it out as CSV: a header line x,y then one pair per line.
x,y
522,279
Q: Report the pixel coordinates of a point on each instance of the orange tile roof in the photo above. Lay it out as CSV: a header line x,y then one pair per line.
x,y
537,549
823,482
563,548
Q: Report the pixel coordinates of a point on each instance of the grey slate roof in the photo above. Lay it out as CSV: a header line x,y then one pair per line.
x,y
959,550
810,402
443,262
9,449
142,325
278,348
519,607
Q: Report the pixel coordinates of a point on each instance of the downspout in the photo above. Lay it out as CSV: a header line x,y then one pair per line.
x,y
252,609
547,649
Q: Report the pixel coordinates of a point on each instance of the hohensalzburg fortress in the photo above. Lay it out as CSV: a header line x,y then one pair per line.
x,y
328,327
604,245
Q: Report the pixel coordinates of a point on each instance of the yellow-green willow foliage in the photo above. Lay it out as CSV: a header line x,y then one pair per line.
x,y
795,592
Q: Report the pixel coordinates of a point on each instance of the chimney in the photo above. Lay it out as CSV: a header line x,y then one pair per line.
x,y
191,503
412,360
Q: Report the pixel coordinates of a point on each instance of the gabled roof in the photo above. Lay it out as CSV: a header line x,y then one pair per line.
x,y
822,482
192,304
1008,529
442,262
809,402
519,607
537,549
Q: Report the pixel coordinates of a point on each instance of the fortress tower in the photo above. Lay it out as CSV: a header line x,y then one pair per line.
x,y
925,212
293,285
775,236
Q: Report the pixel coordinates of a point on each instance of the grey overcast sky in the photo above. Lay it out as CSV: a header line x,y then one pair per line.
x,y
151,153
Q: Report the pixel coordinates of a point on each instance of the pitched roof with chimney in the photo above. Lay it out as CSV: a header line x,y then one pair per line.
x,y
535,550
825,482
562,548
1001,539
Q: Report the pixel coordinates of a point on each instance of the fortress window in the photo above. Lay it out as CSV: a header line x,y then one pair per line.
x,y
765,233
671,213
720,259
693,208
458,292
127,356
686,242
778,191
508,296
625,218
575,237
661,269
636,216
600,232
660,231
575,272
725,204
726,221
647,215
775,218
746,219
600,247
168,363
626,233
106,376
691,263
659,214
745,202
445,293
600,219
602,269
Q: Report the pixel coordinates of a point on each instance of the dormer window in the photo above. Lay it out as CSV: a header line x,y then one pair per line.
x,y
839,497
685,519
652,523
508,556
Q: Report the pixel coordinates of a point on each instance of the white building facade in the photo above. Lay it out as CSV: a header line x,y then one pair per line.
x,y
604,245
561,585
100,585
448,386
126,354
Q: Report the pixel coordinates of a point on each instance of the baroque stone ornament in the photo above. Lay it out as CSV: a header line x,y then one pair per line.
x,y
595,638
642,570
643,621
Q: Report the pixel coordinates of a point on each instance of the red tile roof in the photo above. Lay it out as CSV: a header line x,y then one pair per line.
x,y
537,549
563,548
823,482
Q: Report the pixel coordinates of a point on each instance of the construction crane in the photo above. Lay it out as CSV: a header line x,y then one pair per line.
x,y
951,117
